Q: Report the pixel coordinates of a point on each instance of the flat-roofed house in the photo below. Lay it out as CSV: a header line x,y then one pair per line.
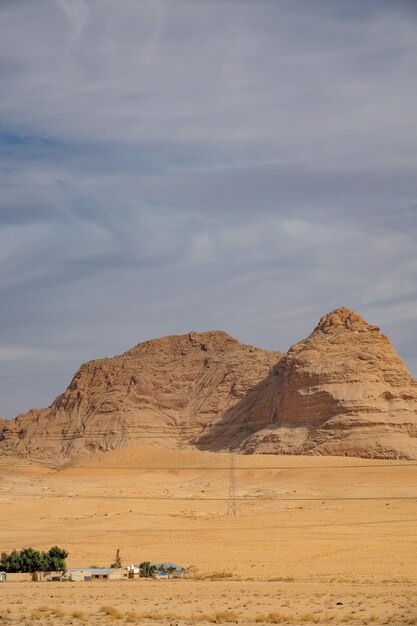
x,y
93,573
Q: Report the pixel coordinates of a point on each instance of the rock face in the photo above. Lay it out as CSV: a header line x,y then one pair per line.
x,y
163,391
343,390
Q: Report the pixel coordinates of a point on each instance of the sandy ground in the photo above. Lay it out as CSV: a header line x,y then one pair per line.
x,y
309,532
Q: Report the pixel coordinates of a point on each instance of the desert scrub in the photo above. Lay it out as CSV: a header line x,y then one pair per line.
x,y
35,615
211,576
148,615
274,618
309,617
132,616
57,612
220,617
78,614
112,612
226,616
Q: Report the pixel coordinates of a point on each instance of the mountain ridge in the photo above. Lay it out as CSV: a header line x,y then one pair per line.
x,y
342,390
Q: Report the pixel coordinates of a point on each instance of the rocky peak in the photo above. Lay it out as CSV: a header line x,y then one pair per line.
x,y
343,319
213,340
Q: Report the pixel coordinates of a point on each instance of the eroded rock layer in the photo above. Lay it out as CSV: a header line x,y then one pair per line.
x,y
163,391
343,390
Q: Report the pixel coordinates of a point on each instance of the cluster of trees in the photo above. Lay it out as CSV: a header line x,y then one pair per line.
x,y
30,560
146,570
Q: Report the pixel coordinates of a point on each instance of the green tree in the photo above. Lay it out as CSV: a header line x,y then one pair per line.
x,y
30,560
15,562
146,570
4,561
55,559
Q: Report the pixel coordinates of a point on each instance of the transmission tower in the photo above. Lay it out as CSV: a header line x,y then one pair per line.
x,y
231,500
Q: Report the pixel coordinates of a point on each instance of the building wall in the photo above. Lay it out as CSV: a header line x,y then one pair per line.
x,y
83,574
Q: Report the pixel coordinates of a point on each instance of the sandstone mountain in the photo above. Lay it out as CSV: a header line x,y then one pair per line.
x,y
343,391
163,392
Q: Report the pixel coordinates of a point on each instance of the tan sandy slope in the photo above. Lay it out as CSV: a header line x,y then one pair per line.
x,y
309,532
294,513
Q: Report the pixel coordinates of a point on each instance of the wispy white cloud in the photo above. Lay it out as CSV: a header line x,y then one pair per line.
x,y
172,164
77,14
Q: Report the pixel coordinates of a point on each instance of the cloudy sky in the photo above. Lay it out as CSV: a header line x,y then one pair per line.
x,y
176,165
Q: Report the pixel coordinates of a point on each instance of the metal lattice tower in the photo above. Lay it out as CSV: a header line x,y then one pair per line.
x,y
231,500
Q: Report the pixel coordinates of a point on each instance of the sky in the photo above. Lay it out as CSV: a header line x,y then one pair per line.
x,y
177,165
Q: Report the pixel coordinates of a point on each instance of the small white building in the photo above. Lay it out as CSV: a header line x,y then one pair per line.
x,y
93,573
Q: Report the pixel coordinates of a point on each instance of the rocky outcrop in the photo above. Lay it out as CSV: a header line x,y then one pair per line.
x,y
343,390
163,392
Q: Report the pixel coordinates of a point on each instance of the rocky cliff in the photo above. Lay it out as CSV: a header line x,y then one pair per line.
x,y
343,390
163,391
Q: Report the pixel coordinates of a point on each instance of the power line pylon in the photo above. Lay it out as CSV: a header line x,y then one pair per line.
x,y
231,500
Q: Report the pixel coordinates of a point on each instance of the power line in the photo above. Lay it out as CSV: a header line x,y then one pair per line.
x,y
257,542
233,529
32,375
204,499
35,375
68,468
236,467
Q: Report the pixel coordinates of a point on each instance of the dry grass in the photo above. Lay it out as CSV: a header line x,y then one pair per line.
x,y
221,617
153,616
36,615
57,612
221,575
132,616
226,617
309,617
281,579
112,612
274,618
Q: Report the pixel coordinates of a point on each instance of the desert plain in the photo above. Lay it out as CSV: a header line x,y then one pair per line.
x,y
314,540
